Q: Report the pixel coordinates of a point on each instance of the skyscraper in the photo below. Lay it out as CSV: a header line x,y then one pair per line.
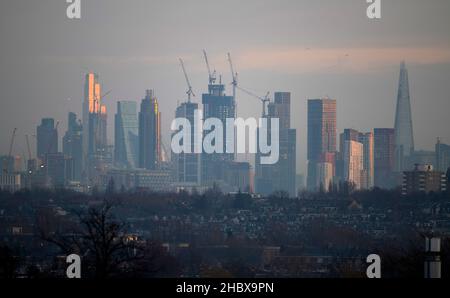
x,y
281,175
126,141
94,129
354,163
442,152
73,145
187,166
282,108
384,157
404,139
149,132
367,172
47,138
368,160
321,134
216,104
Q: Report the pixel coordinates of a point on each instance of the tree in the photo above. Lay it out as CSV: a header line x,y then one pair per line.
x,y
102,242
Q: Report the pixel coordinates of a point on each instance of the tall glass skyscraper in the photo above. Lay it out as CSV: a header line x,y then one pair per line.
x,y
187,166
216,104
404,139
321,134
73,146
149,132
384,157
47,138
94,129
126,141
281,175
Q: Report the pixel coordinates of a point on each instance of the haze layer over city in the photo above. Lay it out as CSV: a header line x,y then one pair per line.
x,y
309,49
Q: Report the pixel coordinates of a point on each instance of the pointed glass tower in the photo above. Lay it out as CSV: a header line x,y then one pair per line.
x,y
404,140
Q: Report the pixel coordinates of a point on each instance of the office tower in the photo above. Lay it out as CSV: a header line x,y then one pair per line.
x,y
321,134
216,104
384,157
47,138
347,135
126,141
404,139
282,108
442,152
59,169
187,166
423,179
73,145
281,175
368,160
94,130
367,140
353,163
149,132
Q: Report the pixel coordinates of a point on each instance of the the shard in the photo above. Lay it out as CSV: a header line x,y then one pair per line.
x,y
404,140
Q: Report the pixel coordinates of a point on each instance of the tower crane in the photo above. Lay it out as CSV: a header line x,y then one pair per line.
x,y
104,94
212,75
265,100
6,160
234,76
189,92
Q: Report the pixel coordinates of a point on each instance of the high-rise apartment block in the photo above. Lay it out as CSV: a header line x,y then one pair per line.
x,y
281,175
384,157
187,166
321,134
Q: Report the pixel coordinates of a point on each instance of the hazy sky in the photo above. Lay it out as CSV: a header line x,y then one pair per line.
x,y
311,48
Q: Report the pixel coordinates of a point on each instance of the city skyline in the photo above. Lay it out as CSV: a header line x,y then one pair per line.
x,y
359,69
200,147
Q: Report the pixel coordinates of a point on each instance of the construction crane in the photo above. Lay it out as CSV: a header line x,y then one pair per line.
x,y
212,75
189,92
104,94
265,100
6,160
234,76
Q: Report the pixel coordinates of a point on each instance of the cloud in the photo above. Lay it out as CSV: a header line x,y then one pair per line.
x,y
337,60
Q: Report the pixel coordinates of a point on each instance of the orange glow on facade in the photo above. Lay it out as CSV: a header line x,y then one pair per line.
x,y
91,79
103,110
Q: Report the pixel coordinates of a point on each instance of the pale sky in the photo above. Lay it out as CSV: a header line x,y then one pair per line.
x,y
311,48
